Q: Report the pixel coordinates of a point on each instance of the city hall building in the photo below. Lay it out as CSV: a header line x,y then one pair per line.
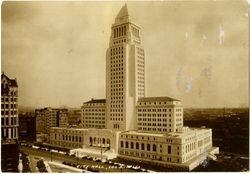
x,y
137,127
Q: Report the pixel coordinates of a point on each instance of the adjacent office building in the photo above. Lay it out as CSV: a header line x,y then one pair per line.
x,y
27,127
94,114
9,124
159,114
50,117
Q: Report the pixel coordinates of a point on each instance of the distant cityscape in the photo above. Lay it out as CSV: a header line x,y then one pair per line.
x,y
127,131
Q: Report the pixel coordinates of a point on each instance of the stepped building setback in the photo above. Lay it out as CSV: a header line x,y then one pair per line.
x,y
128,123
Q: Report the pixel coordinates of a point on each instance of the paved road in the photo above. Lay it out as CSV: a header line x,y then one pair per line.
x,y
46,155
33,164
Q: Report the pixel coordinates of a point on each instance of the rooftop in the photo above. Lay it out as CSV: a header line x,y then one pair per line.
x,y
143,133
11,82
96,101
152,99
124,17
123,12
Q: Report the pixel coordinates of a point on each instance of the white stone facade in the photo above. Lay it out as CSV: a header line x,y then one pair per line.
x,y
141,128
93,114
125,72
183,149
159,114
84,138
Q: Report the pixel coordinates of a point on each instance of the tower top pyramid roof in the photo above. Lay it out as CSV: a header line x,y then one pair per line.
x,y
124,16
123,12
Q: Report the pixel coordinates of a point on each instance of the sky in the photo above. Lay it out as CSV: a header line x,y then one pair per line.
x,y
195,51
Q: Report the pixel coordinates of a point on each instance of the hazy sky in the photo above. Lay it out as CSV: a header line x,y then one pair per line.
x,y
195,51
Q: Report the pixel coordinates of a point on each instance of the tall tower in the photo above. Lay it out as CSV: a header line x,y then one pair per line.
x,y
125,72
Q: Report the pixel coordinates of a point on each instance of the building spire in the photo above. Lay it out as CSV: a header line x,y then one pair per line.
x,y
123,12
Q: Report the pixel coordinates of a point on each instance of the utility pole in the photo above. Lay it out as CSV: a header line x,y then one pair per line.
x,y
50,155
101,154
77,157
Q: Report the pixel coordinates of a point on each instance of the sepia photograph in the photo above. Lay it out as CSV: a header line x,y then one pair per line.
x,y
125,86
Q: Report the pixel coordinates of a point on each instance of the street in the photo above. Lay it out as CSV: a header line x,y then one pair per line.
x,y
36,154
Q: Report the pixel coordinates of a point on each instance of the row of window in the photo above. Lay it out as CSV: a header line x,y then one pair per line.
x,y
7,99
120,31
119,105
141,94
117,81
7,112
9,133
153,124
116,69
153,129
140,65
116,49
115,115
94,104
189,147
207,140
92,110
116,58
141,73
178,110
117,97
141,78
140,56
94,126
120,41
140,50
178,124
153,119
117,65
200,143
154,110
116,86
93,113
70,138
116,126
117,89
12,93
135,32
116,61
97,118
5,121
153,115
116,119
116,101
116,77
116,73
140,69
140,61
137,154
138,146
116,110
116,93
4,106
100,122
